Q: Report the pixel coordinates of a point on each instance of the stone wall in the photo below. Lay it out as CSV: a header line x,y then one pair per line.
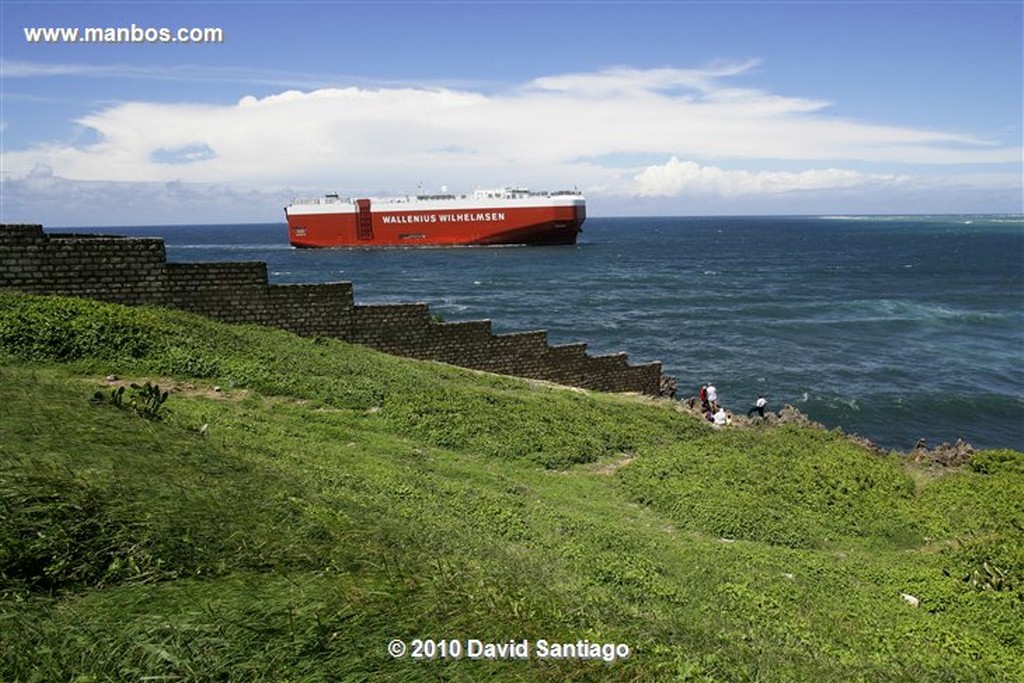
x,y
134,271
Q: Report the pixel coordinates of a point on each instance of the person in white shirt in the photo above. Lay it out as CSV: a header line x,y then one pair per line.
x,y
712,396
721,419
758,406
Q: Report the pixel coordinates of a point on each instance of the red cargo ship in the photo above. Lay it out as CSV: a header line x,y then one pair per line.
x,y
506,216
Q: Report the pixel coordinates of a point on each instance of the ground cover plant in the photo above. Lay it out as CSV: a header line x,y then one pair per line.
x,y
302,503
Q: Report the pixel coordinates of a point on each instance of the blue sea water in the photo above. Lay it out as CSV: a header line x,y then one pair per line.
x,y
895,328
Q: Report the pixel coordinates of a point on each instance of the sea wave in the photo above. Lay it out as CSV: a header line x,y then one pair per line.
x,y
930,218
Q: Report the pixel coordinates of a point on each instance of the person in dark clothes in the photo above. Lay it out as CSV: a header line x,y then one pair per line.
x,y
758,406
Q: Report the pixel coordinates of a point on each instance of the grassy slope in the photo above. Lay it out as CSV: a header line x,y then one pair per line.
x,y
339,498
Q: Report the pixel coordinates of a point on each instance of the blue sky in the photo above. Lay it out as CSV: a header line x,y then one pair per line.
x,y
652,108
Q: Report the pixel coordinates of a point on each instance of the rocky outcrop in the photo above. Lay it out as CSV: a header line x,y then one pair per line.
x,y
943,455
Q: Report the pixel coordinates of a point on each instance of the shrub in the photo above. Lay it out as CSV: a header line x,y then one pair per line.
x,y
62,329
991,462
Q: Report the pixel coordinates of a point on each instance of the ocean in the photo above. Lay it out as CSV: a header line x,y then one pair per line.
x,y
896,328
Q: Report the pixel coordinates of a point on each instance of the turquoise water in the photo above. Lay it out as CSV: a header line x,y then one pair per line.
x,y
895,328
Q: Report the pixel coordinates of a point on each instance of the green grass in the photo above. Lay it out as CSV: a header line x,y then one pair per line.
x,y
327,499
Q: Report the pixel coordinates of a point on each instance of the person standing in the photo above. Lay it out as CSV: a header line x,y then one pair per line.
x,y
758,406
712,396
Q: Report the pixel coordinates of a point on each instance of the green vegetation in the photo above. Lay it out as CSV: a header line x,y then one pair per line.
x,y
301,503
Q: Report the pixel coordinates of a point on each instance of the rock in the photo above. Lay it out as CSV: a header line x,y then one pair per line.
x,y
791,415
866,443
943,455
910,599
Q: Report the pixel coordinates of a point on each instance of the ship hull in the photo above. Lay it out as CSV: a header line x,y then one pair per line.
x,y
363,224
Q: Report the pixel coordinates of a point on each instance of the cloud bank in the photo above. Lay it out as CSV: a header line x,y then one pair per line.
x,y
677,177
617,132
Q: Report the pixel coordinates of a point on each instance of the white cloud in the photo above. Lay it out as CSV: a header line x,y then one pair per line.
x,y
550,132
192,73
44,197
619,80
677,177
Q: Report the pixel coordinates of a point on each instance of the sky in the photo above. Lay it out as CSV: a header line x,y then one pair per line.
x,y
649,108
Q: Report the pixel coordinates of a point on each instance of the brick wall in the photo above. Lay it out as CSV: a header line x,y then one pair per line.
x,y
134,271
